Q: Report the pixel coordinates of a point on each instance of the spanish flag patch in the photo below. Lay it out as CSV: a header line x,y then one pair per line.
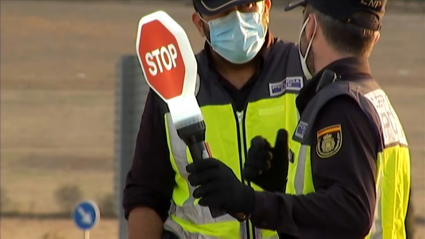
x,y
329,141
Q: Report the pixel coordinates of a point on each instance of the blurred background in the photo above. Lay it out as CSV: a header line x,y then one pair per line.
x,y
62,104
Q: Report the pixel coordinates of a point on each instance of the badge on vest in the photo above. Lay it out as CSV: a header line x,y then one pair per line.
x,y
276,89
293,84
329,141
301,129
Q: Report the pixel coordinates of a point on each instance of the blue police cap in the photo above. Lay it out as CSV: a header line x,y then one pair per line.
x,y
343,10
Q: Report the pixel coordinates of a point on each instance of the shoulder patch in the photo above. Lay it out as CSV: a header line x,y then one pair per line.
x,y
329,141
276,89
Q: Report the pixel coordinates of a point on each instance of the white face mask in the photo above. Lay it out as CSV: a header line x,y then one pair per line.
x,y
303,59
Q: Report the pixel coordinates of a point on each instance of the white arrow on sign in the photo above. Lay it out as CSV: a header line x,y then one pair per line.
x,y
86,216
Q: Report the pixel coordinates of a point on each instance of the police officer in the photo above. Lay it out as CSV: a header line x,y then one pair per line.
x,y
349,170
248,82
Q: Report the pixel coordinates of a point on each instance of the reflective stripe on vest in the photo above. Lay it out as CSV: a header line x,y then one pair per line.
x,y
172,226
271,107
299,176
393,160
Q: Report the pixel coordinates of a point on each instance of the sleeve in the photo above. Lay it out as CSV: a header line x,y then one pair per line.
x,y
150,181
343,160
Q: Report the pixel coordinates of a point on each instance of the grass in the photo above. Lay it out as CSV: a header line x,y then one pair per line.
x,y
53,138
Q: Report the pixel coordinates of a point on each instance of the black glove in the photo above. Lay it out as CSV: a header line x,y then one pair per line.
x,y
266,166
220,188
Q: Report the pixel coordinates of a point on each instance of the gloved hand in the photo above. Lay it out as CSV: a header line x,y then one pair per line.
x,y
266,166
220,188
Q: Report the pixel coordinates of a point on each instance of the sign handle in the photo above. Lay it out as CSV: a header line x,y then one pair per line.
x,y
86,234
194,137
199,151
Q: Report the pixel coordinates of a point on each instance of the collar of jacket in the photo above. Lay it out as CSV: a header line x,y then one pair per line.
x,y
350,68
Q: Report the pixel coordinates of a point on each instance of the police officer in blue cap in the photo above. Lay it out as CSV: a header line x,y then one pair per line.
x,y
349,170
248,82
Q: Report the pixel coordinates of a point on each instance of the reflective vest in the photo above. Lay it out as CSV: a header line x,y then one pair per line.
x,y
271,106
393,159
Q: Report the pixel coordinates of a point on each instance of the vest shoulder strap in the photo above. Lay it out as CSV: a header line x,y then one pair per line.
x,y
303,130
329,91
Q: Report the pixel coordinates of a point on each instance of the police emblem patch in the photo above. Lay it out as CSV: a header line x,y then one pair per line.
x,y
329,141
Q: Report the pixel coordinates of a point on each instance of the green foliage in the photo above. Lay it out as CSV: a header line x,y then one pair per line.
x,y
67,196
107,205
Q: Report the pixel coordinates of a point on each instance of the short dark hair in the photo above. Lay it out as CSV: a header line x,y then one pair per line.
x,y
194,6
346,37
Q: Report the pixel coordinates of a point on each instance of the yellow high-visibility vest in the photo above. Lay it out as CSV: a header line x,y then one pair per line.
x,y
271,106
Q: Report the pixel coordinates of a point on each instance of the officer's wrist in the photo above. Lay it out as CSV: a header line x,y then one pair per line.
x,y
241,217
247,205
249,202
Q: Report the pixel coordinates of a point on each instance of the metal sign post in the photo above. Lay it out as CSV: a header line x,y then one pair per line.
x,y
86,234
86,215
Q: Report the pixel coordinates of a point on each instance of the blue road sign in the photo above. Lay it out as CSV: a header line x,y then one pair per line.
x,y
86,215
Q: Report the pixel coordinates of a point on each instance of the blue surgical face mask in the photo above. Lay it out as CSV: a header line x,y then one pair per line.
x,y
237,37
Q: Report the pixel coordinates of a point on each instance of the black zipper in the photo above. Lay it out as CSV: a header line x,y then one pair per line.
x,y
245,150
242,148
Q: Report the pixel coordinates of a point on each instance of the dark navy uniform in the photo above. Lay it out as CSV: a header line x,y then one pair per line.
x,y
343,174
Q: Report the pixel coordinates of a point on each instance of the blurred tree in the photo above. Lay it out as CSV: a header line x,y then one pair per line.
x,y
68,196
107,205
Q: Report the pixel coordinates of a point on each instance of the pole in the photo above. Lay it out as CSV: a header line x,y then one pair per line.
x,y
86,234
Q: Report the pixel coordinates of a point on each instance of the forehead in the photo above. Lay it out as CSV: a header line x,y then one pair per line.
x,y
243,6
213,5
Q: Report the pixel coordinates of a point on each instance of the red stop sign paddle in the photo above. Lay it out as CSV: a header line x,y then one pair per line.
x,y
166,56
170,69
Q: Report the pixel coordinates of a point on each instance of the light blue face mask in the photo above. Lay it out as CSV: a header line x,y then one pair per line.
x,y
237,37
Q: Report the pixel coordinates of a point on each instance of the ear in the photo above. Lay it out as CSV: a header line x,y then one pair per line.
x,y
267,7
311,27
377,37
198,23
